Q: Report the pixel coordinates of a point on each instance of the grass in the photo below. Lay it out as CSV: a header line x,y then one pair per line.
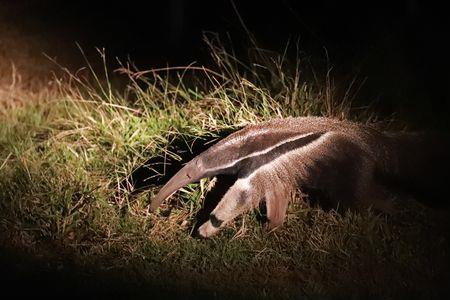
x,y
65,151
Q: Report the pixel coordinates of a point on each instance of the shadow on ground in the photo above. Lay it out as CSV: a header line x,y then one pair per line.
x,y
26,274
158,170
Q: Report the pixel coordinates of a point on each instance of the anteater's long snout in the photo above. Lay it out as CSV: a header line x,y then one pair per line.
x,y
190,173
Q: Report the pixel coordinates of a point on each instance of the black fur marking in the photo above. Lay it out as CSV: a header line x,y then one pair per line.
x,y
215,222
249,165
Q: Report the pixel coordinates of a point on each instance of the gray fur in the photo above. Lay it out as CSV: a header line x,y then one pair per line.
x,y
342,160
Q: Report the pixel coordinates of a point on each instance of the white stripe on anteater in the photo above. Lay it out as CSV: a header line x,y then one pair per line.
x,y
256,153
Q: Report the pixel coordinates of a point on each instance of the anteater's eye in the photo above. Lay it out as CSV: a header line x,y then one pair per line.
x,y
198,163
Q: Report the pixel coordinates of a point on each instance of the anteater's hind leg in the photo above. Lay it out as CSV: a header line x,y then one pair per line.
x,y
367,192
377,198
238,199
356,188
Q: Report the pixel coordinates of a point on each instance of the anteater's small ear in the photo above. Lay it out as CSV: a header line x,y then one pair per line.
x,y
198,163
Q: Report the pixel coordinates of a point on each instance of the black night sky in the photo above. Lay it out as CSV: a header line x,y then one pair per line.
x,y
400,47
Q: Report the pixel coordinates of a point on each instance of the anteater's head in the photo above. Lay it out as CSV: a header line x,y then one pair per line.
x,y
193,171
216,160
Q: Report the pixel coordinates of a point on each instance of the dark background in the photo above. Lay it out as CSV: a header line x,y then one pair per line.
x,y
400,47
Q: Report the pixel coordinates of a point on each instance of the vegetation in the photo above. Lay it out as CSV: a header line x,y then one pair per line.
x,y
66,151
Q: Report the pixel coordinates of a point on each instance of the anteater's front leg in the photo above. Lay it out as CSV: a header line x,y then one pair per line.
x,y
277,199
238,199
